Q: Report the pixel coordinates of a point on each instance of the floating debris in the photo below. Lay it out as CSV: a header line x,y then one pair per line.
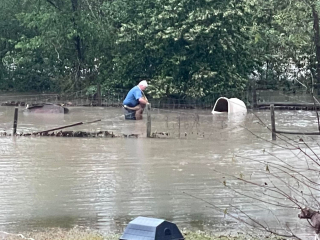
x,y
160,134
46,108
101,134
13,103
130,135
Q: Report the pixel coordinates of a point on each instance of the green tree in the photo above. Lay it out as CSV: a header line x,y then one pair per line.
x,y
283,39
186,48
67,44
10,31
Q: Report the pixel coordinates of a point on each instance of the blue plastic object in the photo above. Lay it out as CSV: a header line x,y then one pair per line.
x,y
143,228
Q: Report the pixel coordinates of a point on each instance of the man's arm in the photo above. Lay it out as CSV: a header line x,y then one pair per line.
x,y
142,100
139,95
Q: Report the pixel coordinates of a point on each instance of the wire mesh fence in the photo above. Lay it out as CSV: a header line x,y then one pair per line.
x,y
115,97
196,124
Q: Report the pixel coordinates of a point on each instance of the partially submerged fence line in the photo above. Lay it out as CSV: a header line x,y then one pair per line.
x,y
75,133
15,121
100,134
274,131
289,106
61,133
149,120
178,124
171,124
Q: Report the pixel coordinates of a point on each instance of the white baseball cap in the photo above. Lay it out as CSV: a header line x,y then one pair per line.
x,y
143,83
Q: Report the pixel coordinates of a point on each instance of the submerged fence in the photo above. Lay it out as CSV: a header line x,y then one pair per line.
x,y
114,98
196,124
252,97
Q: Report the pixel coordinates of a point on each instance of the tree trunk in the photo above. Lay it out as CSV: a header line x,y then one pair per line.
x,y
317,44
78,45
99,94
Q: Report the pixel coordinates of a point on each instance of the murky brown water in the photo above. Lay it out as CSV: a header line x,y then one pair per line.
x,y
106,182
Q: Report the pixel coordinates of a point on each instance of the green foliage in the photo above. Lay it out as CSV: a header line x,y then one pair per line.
x,y
283,41
186,49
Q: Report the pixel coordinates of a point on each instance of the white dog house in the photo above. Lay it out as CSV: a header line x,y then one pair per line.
x,y
229,105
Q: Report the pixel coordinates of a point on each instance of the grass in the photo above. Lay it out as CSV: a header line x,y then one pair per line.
x,y
79,233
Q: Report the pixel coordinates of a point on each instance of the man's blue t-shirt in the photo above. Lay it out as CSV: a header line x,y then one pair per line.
x,y
132,98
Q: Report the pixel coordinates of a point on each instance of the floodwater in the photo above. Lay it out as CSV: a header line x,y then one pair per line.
x,y
103,183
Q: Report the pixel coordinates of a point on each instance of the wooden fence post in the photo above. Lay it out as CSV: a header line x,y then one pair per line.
x,y
179,120
254,95
15,121
148,120
273,122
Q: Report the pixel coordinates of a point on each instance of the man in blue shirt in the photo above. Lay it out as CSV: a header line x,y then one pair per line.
x,y
135,102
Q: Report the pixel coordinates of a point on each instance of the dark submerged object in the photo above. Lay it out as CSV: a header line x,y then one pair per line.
x,y
46,108
151,229
314,216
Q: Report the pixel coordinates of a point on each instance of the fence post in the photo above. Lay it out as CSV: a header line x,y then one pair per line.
x,y
273,122
179,124
254,95
15,121
148,120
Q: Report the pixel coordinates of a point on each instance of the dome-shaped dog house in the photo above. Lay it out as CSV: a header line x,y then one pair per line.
x,y
229,105
144,228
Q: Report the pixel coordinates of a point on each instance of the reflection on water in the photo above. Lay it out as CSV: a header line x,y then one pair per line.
x,y
104,183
